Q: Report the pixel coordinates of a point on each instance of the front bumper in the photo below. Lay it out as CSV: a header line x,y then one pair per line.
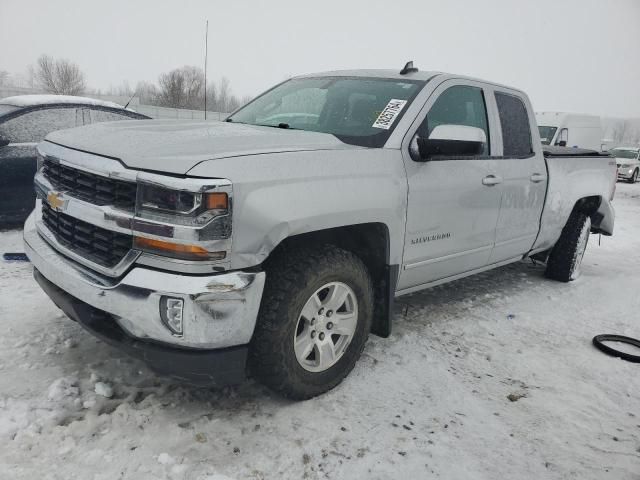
x,y
198,367
220,311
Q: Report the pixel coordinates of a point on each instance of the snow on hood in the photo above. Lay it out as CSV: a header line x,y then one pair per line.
x,y
33,100
176,146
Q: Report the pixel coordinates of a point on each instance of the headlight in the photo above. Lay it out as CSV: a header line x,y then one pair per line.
x,y
172,201
180,207
625,165
183,219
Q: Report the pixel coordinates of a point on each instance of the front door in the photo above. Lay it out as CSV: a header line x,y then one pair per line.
x,y
453,203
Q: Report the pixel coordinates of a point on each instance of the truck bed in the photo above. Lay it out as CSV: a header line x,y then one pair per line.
x,y
552,151
574,174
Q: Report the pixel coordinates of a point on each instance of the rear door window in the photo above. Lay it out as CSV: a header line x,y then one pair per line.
x,y
516,130
34,125
99,116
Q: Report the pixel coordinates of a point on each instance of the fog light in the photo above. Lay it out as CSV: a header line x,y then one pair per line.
x,y
171,314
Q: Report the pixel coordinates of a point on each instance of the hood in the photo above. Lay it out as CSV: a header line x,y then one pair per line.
x,y
625,161
176,146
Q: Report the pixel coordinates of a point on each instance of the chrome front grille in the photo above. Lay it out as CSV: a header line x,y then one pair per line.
x,y
98,245
90,187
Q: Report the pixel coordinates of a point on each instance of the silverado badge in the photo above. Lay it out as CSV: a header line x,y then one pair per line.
x,y
56,201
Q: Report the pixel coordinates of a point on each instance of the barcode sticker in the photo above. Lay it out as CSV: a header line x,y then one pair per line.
x,y
388,115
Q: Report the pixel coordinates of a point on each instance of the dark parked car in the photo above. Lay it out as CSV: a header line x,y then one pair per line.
x,y
24,122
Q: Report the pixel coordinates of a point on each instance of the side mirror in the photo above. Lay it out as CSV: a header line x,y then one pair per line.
x,y
563,137
449,141
4,142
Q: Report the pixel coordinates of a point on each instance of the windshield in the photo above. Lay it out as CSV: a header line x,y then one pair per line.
x,y
622,153
357,110
7,108
546,134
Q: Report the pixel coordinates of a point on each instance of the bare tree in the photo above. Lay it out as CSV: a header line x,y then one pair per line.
x,y
621,131
182,88
194,86
246,99
212,96
635,131
4,77
224,95
147,93
122,90
171,89
60,76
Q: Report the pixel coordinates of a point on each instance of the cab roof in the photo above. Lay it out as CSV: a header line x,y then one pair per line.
x,y
22,101
374,73
422,76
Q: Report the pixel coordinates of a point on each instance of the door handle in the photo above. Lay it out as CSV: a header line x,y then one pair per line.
x,y
537,178
491,180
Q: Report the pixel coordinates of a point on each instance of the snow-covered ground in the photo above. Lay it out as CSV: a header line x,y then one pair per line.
x,y
429,402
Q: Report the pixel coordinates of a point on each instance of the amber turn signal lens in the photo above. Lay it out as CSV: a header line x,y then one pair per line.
x,y
216,201
176,250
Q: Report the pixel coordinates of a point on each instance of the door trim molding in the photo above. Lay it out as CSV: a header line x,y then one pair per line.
x,y
517,239
430,261
423,286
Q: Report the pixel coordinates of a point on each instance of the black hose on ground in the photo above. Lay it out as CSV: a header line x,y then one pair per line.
x,y
598,343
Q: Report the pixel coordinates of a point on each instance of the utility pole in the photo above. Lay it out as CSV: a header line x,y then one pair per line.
x,y
206,48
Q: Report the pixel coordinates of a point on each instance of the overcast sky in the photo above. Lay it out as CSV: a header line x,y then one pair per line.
x,y
568,55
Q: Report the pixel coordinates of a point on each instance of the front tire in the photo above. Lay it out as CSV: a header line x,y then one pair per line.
x,y
565,259
634,177
314,320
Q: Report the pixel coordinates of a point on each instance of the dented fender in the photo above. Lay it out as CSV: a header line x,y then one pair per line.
x,y
279,195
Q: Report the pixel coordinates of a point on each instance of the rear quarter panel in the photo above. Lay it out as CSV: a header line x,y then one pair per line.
x,y
571,179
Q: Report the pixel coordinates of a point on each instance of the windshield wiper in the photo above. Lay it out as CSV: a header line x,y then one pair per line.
x,y
286,126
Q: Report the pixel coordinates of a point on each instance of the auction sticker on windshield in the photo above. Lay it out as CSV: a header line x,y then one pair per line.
x,y
389,114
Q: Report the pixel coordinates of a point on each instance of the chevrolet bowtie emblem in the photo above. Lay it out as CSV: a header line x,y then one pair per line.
x,y
55,200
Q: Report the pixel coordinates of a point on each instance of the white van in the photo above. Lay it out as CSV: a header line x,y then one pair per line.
x,y
570,130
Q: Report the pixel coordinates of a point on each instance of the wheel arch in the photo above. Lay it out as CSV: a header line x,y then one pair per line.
x,y
371,243
600,211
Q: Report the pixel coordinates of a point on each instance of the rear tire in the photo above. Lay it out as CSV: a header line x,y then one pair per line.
x,y
566,256
283,353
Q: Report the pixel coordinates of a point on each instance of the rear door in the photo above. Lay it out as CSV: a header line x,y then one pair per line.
x,y
524,177
452,210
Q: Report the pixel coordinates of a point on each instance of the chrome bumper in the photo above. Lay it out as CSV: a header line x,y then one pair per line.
x,y
219,310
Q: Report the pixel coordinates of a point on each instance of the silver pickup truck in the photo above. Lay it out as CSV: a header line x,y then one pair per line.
x,y
273,243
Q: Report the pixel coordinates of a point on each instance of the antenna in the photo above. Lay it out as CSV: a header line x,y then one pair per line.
x,y
206,48
134,94
408,68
